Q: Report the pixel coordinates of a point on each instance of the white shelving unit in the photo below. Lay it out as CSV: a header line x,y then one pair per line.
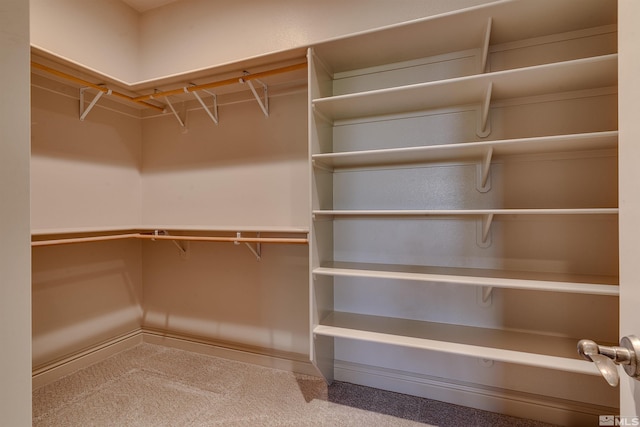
x,y
414,130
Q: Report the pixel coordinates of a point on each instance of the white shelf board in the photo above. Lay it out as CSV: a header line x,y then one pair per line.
x,y
462,30
579,74
463,212
536,281
468,150
483,343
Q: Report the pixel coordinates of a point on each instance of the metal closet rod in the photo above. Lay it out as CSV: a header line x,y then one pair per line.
x,y
143,98
237,239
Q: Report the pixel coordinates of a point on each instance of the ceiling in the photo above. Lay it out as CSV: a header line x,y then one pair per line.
x,y
144,5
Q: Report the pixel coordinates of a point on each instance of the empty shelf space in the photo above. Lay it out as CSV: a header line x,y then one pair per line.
x,y
484,343
536,281
580,74
468,150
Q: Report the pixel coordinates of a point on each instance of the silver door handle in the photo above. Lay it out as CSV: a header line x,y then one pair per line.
x,y
606,358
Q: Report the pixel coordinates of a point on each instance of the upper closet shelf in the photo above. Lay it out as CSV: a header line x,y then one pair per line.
x,y
467,151
579,74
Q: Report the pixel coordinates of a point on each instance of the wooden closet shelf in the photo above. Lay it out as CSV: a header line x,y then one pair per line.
x,y
500,345
523,280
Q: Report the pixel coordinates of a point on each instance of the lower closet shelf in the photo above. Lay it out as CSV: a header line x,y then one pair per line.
x,y
492,344
535,281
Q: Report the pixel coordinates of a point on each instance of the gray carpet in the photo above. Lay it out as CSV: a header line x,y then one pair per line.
x,y
152,385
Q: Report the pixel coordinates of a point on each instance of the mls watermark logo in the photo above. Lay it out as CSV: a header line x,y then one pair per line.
x,y
607,420
617,420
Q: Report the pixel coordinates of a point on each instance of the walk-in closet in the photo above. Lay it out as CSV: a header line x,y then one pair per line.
x,y
433,198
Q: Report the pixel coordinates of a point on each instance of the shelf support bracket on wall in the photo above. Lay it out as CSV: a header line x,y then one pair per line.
x,y
483,177
485,47
213,113
183,246
84,111
175,113
257,251
484,296
483,231
483,126
264,105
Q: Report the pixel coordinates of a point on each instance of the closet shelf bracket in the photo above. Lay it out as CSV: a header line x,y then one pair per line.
x,y
84,111
264,104
175,113
183,246
484,296
484,54
484,126
483,176
213,113
483,231
257,251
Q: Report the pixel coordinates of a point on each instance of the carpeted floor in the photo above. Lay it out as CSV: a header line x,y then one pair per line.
x,y
152,385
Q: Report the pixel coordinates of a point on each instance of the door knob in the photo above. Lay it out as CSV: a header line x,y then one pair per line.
x,y
606,358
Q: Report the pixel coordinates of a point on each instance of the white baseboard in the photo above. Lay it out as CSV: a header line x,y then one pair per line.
x,y
45,374
291,362
508,402
59,368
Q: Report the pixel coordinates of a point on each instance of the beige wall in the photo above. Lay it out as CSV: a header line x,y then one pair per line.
x,y
84,173
247,171
15,309
101,35
112,38
84,295
194,34
116,170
